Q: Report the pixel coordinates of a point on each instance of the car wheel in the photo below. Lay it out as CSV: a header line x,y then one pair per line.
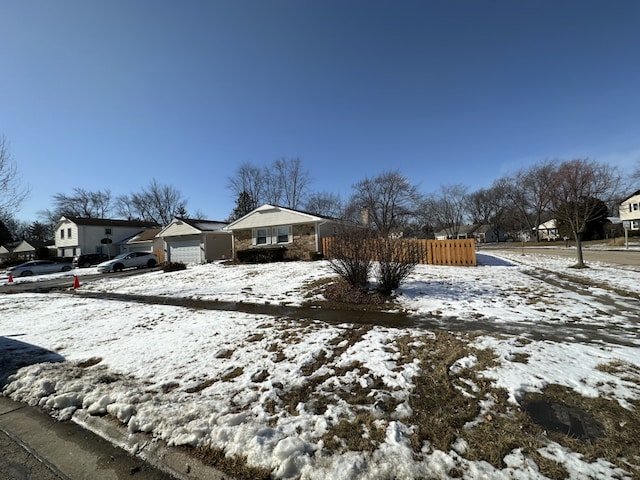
x,y
66,268
26,273
118,267
86,265
151,263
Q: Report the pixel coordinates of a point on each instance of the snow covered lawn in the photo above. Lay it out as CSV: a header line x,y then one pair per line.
x,y
304,399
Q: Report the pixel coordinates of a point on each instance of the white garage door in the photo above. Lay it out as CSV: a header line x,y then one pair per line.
x,y
185,252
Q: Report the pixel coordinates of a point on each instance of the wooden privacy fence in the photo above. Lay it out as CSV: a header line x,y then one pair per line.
x,y
434,252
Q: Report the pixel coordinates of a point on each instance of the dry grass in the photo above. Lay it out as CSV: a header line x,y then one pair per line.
x,y
235,466
201,386
446,405
90,362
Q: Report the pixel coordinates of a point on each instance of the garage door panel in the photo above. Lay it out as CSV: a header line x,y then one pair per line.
x,y
185,252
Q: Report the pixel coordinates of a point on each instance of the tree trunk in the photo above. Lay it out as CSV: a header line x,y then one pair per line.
x,y
579,257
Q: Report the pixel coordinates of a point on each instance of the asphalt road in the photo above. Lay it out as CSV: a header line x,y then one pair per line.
x,y
43,285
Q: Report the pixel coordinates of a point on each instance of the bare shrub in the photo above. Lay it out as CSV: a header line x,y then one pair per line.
x,y
351,253
397,258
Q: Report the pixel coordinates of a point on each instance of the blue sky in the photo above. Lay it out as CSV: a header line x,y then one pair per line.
x,y
110,94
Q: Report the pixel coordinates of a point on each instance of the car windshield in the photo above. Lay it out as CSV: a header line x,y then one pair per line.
x,y
122,255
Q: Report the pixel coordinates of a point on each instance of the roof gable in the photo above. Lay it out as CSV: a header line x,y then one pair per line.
x,y
184,226
270,215
631,197
144,236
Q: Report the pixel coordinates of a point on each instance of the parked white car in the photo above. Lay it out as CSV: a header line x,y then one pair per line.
x,y
128,260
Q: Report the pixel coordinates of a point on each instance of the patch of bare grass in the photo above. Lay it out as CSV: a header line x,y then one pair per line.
x,y
201,386
89,362
256,337
364,433
236,372
235,466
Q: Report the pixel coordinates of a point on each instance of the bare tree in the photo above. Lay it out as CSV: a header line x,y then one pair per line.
x,y
389,199
156,203
83,203
580,189
635,175
248,179
324,204
448,208
294,180
529,192
273,187
11,192
283,183
489,206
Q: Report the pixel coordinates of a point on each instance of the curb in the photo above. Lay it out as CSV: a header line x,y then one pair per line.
x,y
96,447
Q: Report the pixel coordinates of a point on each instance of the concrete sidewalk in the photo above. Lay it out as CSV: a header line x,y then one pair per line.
x,y
36,446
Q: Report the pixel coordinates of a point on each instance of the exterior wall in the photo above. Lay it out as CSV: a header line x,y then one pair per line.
x,y
68,243
177,229
217,246
303,241
242,239
630,212
269,217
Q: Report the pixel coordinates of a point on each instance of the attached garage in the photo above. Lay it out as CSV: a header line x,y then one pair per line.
x,y
195,241
188,251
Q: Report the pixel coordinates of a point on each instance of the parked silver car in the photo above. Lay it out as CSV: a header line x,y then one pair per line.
x,y
38,267
128,260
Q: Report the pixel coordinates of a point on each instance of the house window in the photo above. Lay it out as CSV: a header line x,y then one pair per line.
x,y
282,234
68,233
62,233
635,207
261,236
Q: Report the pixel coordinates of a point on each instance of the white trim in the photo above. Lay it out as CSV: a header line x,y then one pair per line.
x,y
271,235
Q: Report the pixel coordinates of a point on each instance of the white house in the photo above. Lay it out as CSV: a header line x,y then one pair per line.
x,y
630,212
195,241
78,235
300,233
549,230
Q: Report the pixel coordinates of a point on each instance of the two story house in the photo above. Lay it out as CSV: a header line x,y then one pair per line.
x,y
630,212
77,235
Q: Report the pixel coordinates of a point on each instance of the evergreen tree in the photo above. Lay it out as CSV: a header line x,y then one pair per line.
x,y
244,205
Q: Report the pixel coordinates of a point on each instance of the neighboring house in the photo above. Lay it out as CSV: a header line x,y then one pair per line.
x,y
482,233
195,241
145,241
464,231
630,212
299,232
489,234
5,254
77,235
548,230
24,251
